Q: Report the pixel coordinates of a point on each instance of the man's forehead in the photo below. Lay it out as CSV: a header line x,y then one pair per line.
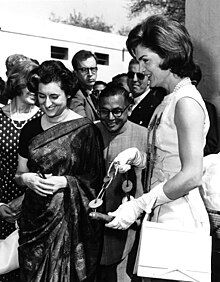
x,y
88,62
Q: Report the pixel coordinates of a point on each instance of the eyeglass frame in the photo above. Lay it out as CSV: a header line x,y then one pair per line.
x,y
86,70
138,74
96,92
111,111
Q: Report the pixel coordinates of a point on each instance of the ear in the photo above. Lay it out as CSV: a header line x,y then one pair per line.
x,y
130,110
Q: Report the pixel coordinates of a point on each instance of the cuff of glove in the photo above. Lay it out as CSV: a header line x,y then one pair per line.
x,y
140,159
161,197
154,198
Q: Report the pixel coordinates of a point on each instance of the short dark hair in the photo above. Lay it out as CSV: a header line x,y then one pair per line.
x,y
112,89
52,71
100,82
132,62
118,76
81,55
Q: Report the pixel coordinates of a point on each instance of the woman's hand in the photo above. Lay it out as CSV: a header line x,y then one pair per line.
x,y
15,205
128,212
44,186
7,214
125,215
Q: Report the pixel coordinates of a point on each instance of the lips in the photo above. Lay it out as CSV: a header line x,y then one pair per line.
x,y
136,86
112,124
49,109
32,96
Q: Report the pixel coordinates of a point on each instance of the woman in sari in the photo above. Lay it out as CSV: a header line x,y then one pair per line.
x,y
60,164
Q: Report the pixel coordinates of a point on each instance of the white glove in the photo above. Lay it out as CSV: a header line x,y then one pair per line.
x,y
130,156
127,213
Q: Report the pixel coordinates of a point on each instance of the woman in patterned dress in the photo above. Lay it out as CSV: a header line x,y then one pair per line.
x,y
13,117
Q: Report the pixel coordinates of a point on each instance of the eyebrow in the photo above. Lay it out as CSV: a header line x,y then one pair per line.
x,y
117,108
141,57
48,93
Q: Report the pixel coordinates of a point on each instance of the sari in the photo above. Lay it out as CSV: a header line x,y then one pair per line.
x,y
58,241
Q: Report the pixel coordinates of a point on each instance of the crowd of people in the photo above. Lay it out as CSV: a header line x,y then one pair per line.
x,y
130,146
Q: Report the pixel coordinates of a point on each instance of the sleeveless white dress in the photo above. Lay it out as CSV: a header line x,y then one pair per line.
x,y
188,211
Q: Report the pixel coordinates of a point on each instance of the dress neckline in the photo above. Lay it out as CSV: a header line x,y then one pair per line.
x,y
185,81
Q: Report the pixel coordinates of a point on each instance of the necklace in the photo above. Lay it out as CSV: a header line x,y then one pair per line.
x,y
23,121
182,83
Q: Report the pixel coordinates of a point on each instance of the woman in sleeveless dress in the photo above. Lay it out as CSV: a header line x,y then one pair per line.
x,y
176,134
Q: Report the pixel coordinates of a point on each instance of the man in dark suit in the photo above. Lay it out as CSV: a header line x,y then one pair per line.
x,y
145,99
85,68
212,137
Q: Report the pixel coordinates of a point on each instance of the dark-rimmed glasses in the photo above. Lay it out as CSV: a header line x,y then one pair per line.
x,y
139,75
117,113
86,70
96,92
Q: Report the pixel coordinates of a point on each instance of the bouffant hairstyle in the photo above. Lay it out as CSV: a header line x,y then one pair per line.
x,y
114,88
52,71
169,39
18,77
134,39
12,60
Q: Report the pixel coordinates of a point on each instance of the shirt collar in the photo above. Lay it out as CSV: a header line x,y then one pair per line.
x,y
138,99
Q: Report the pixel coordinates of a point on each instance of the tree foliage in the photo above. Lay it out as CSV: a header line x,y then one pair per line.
x,y
124,30
171,8
77,19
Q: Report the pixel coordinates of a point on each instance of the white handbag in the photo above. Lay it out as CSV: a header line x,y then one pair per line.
x,y
9,253
170,253
209,190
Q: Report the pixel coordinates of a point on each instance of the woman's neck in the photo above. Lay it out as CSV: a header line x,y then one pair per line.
x,y
58,119
20,107
172,83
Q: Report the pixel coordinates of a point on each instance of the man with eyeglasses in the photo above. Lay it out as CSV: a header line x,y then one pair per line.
x,y
145,99
119,248
85,68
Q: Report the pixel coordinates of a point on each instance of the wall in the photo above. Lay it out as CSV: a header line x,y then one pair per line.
x,y
36,38
202,22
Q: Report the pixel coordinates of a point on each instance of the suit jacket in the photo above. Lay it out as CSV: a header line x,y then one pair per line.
x,y
83,105
212,138
143,112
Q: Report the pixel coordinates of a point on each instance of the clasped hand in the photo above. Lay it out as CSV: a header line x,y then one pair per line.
x,y
11,211
44,187
8,214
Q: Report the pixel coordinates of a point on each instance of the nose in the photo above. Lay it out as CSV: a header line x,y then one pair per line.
x,y
89,72
111,116
48,103
135,77
142,68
